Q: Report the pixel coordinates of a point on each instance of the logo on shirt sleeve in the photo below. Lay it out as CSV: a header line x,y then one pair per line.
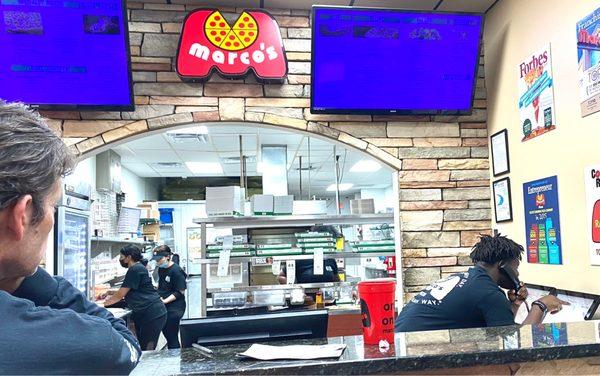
x,y
435,293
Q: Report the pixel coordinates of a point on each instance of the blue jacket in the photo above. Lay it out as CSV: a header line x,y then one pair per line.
x,y
50,327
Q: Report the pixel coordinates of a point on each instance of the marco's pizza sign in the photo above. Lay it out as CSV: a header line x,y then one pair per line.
x,y
208,42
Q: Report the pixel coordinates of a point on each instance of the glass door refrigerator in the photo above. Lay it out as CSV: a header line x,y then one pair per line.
x,y
72,236
193,270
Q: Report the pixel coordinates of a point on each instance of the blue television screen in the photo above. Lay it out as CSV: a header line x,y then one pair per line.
x,y
380,61
65,53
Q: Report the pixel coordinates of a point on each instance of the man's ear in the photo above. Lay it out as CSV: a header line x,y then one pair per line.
x,y
18,217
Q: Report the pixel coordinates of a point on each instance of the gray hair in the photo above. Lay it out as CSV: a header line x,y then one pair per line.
x,y
32,157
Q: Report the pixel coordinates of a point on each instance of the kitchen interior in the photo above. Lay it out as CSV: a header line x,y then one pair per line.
x,y
264,190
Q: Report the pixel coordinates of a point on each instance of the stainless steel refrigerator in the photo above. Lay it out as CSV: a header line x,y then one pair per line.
x,y
72,235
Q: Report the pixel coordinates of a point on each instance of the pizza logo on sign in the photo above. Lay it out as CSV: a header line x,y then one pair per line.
x,y
208,42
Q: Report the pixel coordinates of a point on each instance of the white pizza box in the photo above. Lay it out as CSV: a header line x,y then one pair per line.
x,y
283,205
262,204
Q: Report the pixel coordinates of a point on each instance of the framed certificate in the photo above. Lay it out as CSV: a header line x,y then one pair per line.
x,y
502,200
500,161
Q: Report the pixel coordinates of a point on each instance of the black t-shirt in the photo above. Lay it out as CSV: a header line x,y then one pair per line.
x,y
464,300
305,271
142,298
171,280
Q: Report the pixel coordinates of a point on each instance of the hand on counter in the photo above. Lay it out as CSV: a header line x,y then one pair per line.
x,y
542,306
553,303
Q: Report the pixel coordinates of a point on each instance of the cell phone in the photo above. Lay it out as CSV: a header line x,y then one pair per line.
x,y
592,312
511,274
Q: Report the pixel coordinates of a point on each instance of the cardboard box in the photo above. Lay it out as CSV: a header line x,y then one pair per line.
x,y
149,210
224,201
363,206
262,204
283,205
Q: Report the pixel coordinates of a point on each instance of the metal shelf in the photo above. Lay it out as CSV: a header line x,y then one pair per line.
x,y
305,286
295,220
120,241
328,255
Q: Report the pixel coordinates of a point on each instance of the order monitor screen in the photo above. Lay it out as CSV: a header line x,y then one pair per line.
x,y
391,61
65,53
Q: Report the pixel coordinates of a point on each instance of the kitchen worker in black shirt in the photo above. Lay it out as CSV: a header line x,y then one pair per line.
x,y
149,313
171,288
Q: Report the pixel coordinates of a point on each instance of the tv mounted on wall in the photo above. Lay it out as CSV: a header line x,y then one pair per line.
x,y
66,54
382,61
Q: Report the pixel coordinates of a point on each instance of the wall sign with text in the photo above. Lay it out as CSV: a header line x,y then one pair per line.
x,y
542,221
592,195
588,63
209,43
536,94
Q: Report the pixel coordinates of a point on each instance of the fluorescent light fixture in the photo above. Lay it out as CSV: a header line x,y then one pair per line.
x,y
343,187
365,165
199,168
196,129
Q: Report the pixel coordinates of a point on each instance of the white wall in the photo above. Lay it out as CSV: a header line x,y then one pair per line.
x,y
134,188
86,171
383,198
514,30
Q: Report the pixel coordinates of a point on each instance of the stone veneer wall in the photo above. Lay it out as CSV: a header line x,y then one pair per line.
x,y
443,160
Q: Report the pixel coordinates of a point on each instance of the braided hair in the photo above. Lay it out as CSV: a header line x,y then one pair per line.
x,y
493,249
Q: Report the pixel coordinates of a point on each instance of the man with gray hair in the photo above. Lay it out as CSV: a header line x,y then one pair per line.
x,y
48,326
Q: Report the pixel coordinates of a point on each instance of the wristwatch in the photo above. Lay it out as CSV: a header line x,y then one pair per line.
x,y
541,305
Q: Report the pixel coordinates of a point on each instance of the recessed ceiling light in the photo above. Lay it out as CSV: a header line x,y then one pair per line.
x,y
199,168
365,165
236,160
166,164
343,187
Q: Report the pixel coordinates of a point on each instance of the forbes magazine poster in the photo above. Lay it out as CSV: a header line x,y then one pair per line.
x,y
592,195
588,58
542,223
536,94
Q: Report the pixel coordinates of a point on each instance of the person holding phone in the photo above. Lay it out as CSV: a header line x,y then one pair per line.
x,y
474,298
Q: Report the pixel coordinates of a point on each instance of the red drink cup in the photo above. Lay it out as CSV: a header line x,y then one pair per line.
x,y
377,309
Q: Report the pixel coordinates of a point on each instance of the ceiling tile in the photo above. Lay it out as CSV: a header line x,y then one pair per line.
x,y
151,156
478,6
398,4
231,144
197,156
156,142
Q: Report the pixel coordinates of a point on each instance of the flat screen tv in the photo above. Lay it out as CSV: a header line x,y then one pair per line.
x,y
65,54
381,61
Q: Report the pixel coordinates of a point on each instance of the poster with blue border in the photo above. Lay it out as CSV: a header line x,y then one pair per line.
x,y
542,221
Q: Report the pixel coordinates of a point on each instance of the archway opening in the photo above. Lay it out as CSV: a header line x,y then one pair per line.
x,y
172,168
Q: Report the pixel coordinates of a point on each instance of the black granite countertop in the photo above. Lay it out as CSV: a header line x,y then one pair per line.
x,y
410,352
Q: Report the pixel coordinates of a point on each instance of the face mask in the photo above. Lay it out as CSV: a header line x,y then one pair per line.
x,y
123,263
164,265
